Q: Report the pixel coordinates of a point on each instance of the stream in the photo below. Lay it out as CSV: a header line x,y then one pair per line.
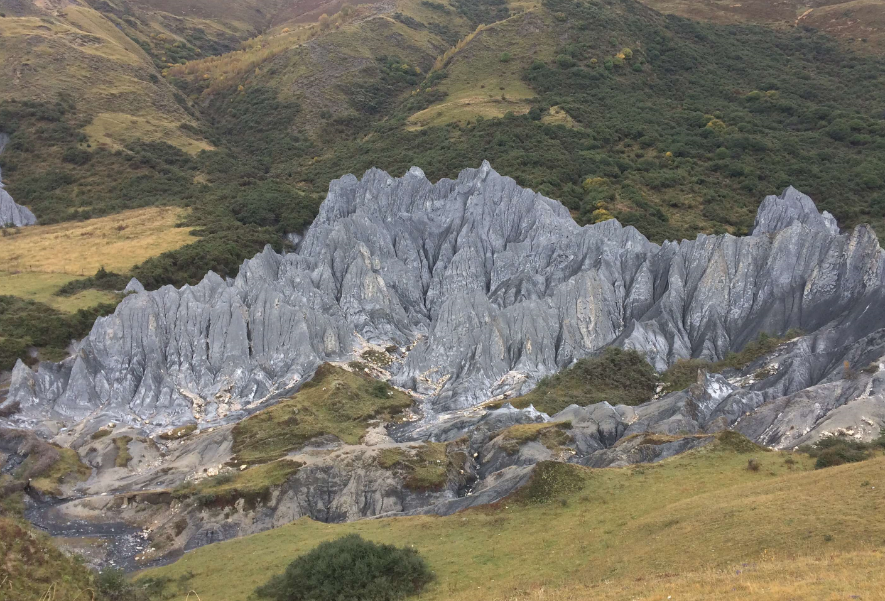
x,y
105,544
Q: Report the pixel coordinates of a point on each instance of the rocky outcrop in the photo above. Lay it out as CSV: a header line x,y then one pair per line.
x,y
12,214
480,286
780,212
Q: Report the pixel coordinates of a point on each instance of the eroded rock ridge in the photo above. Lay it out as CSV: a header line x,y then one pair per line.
x,y
478,288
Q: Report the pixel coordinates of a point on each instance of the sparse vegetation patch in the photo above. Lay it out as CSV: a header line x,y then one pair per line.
x,y
551,435
684,372
335,401
424,468
621,377
226,488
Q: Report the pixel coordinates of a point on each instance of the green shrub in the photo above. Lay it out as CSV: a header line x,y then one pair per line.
x,y
27,323
839,450
113,585
102,280
621,377
379,389
482,11
350,569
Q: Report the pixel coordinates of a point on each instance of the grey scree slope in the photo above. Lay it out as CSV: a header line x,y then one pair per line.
x,y
485,286
12,214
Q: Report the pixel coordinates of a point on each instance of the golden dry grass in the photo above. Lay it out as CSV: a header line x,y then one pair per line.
x,y
41,259
117,242
699,526
115,130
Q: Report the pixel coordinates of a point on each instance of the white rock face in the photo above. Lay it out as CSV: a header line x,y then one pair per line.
x,y
481,280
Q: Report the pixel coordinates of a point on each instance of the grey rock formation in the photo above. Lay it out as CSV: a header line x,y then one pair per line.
x,y
483,287
780,212
134,286
12,214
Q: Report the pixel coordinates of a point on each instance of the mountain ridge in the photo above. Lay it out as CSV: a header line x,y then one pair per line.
x,y
481,286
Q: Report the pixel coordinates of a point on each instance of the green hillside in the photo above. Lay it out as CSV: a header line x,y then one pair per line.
x,y
674,126
698,526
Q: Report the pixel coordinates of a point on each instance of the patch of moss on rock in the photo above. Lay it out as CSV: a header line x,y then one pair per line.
x,y
729,440
621,377
335,401
179,432
551,435
123,454
423,468
253,485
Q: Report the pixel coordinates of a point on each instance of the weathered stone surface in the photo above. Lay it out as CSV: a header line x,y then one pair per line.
x,y
483,286
780,212
133,287
11,213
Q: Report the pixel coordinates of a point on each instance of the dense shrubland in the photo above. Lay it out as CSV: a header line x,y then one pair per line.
x,y
25,324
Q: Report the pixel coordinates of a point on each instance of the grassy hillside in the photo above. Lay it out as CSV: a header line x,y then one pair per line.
x,y
484,73
859,24
685,132
76,52
673,126
694,527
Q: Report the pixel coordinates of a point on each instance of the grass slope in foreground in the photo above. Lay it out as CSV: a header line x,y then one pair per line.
x,y
33,568
697,525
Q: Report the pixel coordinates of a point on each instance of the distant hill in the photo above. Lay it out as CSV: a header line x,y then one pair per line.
x,y
860,24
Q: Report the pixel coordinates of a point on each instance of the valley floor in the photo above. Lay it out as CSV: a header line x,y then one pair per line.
x,y
698,526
